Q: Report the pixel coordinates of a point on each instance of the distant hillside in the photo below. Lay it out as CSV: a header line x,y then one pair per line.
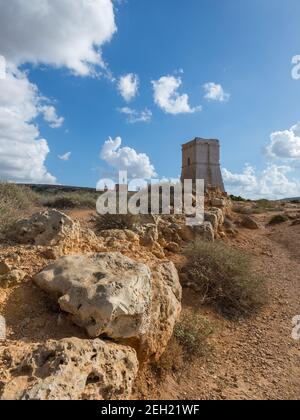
x,y
291,199
60,188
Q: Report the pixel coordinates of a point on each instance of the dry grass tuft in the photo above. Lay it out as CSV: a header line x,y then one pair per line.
x,y
16,201
279,218
225,278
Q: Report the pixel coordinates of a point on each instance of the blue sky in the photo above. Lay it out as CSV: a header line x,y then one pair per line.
x,y
244,48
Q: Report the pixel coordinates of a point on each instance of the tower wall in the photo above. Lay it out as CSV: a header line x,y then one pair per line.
x,y
201,160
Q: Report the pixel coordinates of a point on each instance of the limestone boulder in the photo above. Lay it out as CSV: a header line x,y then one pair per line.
x,y
72,369
165,310
216,217
45,228
106,293
205,231
113,296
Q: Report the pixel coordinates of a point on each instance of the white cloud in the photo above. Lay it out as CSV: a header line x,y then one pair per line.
x,y
65,157
22,151
2,67
137,165
128,86
134,116
167,97
60,33
50,115
272,183
285,144
215,92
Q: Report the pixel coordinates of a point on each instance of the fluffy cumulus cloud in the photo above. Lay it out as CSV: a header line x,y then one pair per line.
x,y
167,97
60,33
22,150
271,183
137,165
215,92
134,116
51,117
65,157
128,86
285,144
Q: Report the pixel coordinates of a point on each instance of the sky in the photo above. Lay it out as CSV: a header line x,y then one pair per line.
x,y
90,87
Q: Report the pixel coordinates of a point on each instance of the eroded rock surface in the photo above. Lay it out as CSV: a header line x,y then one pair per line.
x,y
104,293
71,369
109,294
45,228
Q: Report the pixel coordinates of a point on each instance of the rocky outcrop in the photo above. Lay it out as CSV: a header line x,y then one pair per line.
x,y
216,217
205,231
58,232
111,295
45,228
106,294
165,310
71,369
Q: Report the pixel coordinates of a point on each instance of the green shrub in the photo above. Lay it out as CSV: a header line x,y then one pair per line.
x,y
224,278
16,201
237,198
189,342
192,332
279,218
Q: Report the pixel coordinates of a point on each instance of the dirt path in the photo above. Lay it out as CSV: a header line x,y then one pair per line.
x,y
257,358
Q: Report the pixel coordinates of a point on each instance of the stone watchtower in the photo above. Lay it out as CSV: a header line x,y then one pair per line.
x,y
201,160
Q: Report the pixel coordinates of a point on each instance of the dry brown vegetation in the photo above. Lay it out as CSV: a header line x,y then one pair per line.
x,y
16,201
224,278
116,221
278,218
63,201
258,207
189,342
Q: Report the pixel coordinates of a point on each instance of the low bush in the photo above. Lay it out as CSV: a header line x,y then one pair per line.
x,y
224,278
279,218
192,333
16,201
63,201
189,341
